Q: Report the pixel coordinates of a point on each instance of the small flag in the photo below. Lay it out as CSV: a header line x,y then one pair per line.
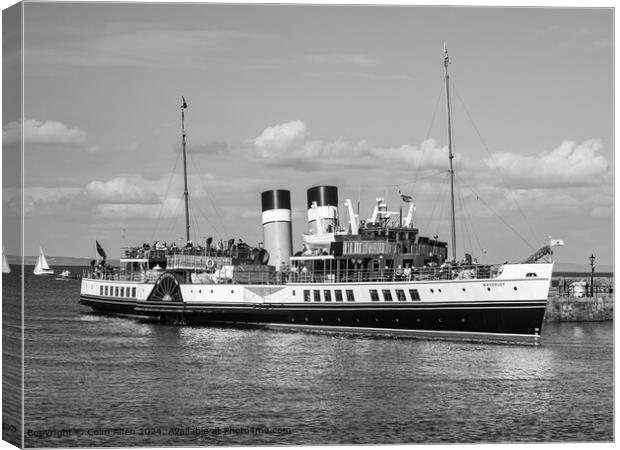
x,y
184,105
555,242
406,198
100,250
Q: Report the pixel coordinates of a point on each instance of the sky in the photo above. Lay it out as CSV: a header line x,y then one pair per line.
x,y
294,96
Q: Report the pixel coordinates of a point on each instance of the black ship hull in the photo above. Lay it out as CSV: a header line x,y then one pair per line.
x,y
497,321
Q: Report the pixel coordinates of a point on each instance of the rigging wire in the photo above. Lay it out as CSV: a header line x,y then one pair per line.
x,y
161,208
440,200
213,228
173,222
428,133
510,190
471,224
218,213
498,216
468,228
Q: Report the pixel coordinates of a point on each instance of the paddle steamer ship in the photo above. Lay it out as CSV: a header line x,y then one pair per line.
x,y
377,275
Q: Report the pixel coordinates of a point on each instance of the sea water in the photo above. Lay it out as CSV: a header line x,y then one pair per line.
x,y
93,380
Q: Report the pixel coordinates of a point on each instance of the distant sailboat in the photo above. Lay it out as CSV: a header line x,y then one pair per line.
x,y
42,268
5,263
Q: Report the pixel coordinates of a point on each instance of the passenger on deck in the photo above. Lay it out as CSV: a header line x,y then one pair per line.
x,y
407,272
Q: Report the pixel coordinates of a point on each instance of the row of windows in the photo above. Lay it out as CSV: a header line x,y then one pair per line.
x,y
117,291
327,295
374,295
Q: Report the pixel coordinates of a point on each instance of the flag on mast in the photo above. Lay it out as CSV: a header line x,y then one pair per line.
x,y
184,105
100,250
555,242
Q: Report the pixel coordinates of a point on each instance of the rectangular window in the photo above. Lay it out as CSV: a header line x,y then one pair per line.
x,y
374,295
122,291
387,295
338,294
133,292
116,291
317,296
350,296
400,295
100,290
414,294
106,290
127,291
328,295
306,295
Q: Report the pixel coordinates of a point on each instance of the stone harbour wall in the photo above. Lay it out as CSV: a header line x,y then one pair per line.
x,y
584,309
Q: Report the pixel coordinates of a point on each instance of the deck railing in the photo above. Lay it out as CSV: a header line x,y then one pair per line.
x,y
317,276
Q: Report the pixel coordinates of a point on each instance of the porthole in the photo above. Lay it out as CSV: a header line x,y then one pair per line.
x,y
357,319
321,320
306,319
200,291
515,288
396,320
462,319
339,320
439,290
432,291
418,319
212,291
232,291
488,289
463,289
440,320
376,319
292,319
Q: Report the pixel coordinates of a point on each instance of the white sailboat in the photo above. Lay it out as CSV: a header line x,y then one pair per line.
x,y
5,263
42,268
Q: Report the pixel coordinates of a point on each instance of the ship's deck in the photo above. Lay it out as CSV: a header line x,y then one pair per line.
x,y
304,275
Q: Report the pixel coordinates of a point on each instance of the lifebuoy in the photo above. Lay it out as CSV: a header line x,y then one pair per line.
x,y
210,263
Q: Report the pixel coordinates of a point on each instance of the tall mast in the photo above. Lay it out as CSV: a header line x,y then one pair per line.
x,y
185,193
446,61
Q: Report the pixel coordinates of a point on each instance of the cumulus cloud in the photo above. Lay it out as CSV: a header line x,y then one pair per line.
x,y
287,145
570,164
276,140
119,190
37,132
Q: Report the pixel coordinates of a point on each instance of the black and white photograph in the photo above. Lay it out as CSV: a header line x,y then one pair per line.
x,y
307,224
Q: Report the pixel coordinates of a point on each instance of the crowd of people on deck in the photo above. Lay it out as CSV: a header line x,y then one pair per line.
x,y
161,249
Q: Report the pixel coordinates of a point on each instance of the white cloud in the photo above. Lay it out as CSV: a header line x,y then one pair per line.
x,y
276,140
37,132
119,190
569,164
287,145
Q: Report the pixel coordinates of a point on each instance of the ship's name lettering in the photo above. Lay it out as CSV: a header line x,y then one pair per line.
x,y
493,284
